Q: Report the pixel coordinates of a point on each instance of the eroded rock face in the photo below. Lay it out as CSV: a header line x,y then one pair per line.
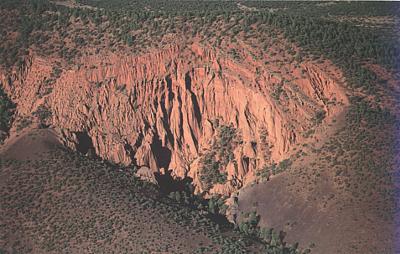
x,y
164,110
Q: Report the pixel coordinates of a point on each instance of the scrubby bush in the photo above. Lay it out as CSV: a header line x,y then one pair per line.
x,y
274,242
214,161
6,111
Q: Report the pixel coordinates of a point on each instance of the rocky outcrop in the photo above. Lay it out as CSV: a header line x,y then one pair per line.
x,y
164,110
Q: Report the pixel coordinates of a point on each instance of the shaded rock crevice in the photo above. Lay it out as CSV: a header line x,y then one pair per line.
x,y
84,142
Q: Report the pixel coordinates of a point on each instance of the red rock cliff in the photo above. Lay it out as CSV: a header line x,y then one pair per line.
x,y
160,110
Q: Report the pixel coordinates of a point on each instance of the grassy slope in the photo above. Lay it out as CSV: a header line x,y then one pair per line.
x,y
55,201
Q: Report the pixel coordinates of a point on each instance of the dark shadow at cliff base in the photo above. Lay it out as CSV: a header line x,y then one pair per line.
x,y
162,154
84,143
171,186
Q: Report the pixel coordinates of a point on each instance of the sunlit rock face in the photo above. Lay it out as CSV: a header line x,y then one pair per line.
x,y
171,108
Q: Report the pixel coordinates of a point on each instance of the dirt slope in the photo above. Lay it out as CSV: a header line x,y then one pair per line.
x,y
54,201
341,194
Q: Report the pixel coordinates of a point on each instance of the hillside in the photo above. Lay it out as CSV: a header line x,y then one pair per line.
x,y
54,200
283,113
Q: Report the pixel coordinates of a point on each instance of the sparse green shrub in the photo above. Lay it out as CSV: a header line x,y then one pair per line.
x,y
221,153
274,169
210,172
276,94
275,243
43,113
319,116
6,112
249,226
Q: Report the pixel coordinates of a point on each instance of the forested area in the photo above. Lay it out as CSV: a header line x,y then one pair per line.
x,y
348,46
323,9
122,24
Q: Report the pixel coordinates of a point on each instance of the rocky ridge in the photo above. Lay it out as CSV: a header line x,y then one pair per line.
x,y
169,109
